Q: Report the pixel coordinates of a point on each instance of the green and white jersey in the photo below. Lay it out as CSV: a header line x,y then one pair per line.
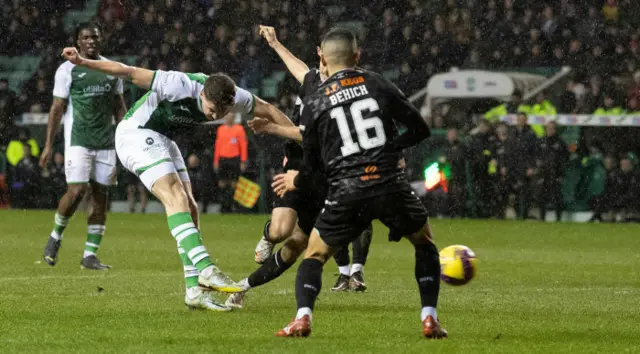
x,y
88,120
173,103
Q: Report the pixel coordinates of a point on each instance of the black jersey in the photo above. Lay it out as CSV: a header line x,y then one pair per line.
x,y
293,150
349,132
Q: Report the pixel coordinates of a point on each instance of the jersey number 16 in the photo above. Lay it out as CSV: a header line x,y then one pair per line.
x,y
362,126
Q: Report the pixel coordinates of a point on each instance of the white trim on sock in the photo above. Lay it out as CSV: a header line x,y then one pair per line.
x,y
195,251
178,229
200,257
186,234
91,245
87,254
426,311
96,229
304,311
344,270
56,235
356,267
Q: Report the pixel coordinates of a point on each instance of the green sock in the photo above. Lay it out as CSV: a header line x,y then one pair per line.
x,y
190,272
94,237
188,238
59,224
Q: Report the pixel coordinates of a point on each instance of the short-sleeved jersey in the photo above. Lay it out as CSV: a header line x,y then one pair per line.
x,y
173,104
88,120
293,150
350,133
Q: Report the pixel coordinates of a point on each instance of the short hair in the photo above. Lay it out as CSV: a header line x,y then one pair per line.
x,y
86,26
221,90
346,45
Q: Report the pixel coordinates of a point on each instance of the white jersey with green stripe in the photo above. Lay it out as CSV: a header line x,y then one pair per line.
x,y
91,95
173,103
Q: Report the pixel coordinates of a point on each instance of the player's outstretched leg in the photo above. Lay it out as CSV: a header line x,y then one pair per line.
x,y
96,220
276,230
273,267
344,264
66,208
427,273
171,192
360,253
308,285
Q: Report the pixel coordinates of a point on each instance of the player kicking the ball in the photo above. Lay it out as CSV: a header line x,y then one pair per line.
x,y
350,134
88,101
177,102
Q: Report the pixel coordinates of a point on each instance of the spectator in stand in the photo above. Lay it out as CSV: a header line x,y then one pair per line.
x,y
553,156
523,153
601,203
501,163
542,107
455,155
610,107
229,159
568,101
15,150
513,106
7,108
624,195
480,155
25,185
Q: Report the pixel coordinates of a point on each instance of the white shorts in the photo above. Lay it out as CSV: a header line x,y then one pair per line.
x,y
82,164
148,154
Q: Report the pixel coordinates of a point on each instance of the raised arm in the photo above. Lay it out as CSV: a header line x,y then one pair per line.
x,y
264,126
138,76
58,107
296,67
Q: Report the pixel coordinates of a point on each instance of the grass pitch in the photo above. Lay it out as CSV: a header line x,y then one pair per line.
x,y
541,288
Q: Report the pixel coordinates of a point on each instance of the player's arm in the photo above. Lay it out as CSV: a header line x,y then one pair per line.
x,y
138,76
296,67
268,111
58,107
119,107
406,113
264,126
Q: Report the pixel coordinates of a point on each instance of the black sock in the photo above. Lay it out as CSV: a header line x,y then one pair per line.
x,y
272,268
342,257
308,282
361,246
428,273
265,233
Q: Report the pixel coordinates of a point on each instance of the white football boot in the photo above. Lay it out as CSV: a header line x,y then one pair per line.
x,y
199,299
263,250
213,278
236,300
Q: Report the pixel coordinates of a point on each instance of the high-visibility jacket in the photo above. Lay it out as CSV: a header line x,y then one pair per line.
x,y
545,108
15,150
615,111
502,110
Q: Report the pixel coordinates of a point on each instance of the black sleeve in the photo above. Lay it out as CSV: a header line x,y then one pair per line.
x,y
406,113
311,162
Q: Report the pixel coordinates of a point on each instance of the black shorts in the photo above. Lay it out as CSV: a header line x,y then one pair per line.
x,y
402,212
306,204
229,169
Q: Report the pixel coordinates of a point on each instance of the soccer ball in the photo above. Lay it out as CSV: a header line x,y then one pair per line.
x,y
458,264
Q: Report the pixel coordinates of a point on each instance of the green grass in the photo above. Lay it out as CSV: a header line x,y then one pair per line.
x,y
541,288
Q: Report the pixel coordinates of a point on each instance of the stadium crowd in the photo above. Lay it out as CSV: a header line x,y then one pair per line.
x,y
600,39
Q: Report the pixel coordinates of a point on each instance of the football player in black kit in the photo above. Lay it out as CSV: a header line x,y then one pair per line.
x,y
303,206
350,134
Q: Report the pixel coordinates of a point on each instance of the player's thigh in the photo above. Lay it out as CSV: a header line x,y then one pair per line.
x,y
340,224
309,206
104,170
402,212
78,164
283,220
318,249
145,153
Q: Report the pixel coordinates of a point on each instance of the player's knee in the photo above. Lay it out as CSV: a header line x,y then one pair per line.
x,y
422,236
172,194
294,247
77,191
279,230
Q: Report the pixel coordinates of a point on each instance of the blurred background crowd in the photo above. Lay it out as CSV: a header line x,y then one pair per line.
x,y
408,40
